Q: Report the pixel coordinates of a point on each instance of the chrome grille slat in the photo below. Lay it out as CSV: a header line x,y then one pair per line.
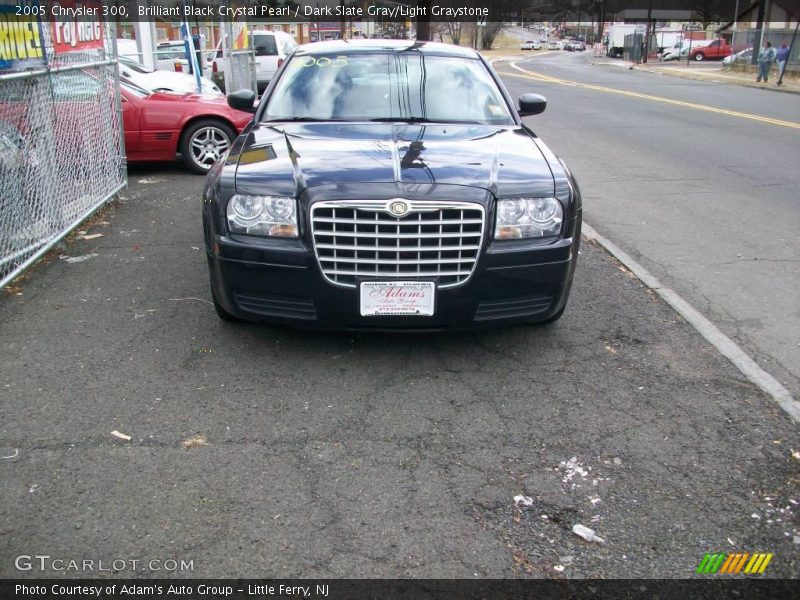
x,y
419,231
402,249
361,239
386,261
390,273
391,236
371,222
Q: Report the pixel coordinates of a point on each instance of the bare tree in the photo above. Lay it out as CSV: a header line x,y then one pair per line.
x,y
708,11
503,11
438,28
454,30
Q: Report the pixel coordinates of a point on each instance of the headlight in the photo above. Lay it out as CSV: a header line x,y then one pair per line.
x,y
528,217
263,215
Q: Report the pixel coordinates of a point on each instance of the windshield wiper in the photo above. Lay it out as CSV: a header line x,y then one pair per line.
x,y
421,120
300,120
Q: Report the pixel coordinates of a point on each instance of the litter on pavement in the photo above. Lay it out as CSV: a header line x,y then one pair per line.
x,y
586,533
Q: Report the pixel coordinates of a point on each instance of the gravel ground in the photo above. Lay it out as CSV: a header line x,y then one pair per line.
x,y
260,451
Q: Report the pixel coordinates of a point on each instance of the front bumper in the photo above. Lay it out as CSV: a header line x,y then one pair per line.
x,y
281,281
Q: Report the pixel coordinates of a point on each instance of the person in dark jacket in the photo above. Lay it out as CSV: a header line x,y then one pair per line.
x,y
765,60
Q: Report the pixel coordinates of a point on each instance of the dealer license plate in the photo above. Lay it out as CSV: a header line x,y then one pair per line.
x,y
401,298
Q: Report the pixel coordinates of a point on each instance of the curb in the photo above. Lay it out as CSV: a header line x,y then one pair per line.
x,y
724,345
714,79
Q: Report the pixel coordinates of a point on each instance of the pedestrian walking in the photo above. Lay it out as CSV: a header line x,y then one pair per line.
x,y
782,56
765,59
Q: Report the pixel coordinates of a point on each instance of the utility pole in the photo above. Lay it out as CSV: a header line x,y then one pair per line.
x,y
648,31
791,47
424,21
762,11
479,34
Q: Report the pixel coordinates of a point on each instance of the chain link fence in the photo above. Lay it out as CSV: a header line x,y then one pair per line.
x,y
744,42
634,45
239,56
61,140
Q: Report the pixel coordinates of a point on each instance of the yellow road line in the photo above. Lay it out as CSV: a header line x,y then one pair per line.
x,y
599,88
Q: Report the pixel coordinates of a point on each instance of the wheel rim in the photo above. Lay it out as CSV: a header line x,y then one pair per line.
x,y
208,144
700,56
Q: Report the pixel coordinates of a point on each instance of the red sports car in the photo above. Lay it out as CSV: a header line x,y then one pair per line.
x,y
160,124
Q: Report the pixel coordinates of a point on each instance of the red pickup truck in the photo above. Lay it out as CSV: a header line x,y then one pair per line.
x,y
718,49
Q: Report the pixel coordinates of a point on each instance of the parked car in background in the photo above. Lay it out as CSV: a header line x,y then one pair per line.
x,y
743,56
714,50
553,45
348,206
615,38
681,49
271,49
527,45
167,56
160,124
160,80
171,56
127,48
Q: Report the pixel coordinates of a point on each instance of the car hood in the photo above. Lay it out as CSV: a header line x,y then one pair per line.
x,y
286,159
181,82
218,99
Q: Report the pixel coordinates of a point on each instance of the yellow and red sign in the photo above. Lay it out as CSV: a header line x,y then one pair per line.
x,y
20,39
71,32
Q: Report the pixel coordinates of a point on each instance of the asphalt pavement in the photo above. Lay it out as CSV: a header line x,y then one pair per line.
x,y
259,451
697,180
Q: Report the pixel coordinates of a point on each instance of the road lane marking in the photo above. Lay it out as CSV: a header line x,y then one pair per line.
x,y
600,88
727,347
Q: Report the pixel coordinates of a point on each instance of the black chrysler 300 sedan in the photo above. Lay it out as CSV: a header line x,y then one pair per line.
x,y
390,185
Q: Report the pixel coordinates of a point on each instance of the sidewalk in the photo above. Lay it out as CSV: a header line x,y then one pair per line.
x,y
715,73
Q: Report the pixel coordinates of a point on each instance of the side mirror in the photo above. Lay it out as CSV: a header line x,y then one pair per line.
x,y
243,100
531,104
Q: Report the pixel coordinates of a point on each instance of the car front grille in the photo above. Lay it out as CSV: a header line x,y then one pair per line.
x,y
361,239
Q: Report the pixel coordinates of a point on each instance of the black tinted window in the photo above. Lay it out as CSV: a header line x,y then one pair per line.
x,y
265,45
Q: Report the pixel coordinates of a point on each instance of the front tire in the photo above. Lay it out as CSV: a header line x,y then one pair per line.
x,y
699,57
204,142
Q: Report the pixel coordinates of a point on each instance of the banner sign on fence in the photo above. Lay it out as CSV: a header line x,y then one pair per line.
x,y
72,33
20,39
241,36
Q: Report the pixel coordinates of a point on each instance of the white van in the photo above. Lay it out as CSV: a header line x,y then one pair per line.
x,y
271,49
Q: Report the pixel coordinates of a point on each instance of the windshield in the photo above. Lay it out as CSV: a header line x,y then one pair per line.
x,y
135,66
170,51
133,88
385,87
